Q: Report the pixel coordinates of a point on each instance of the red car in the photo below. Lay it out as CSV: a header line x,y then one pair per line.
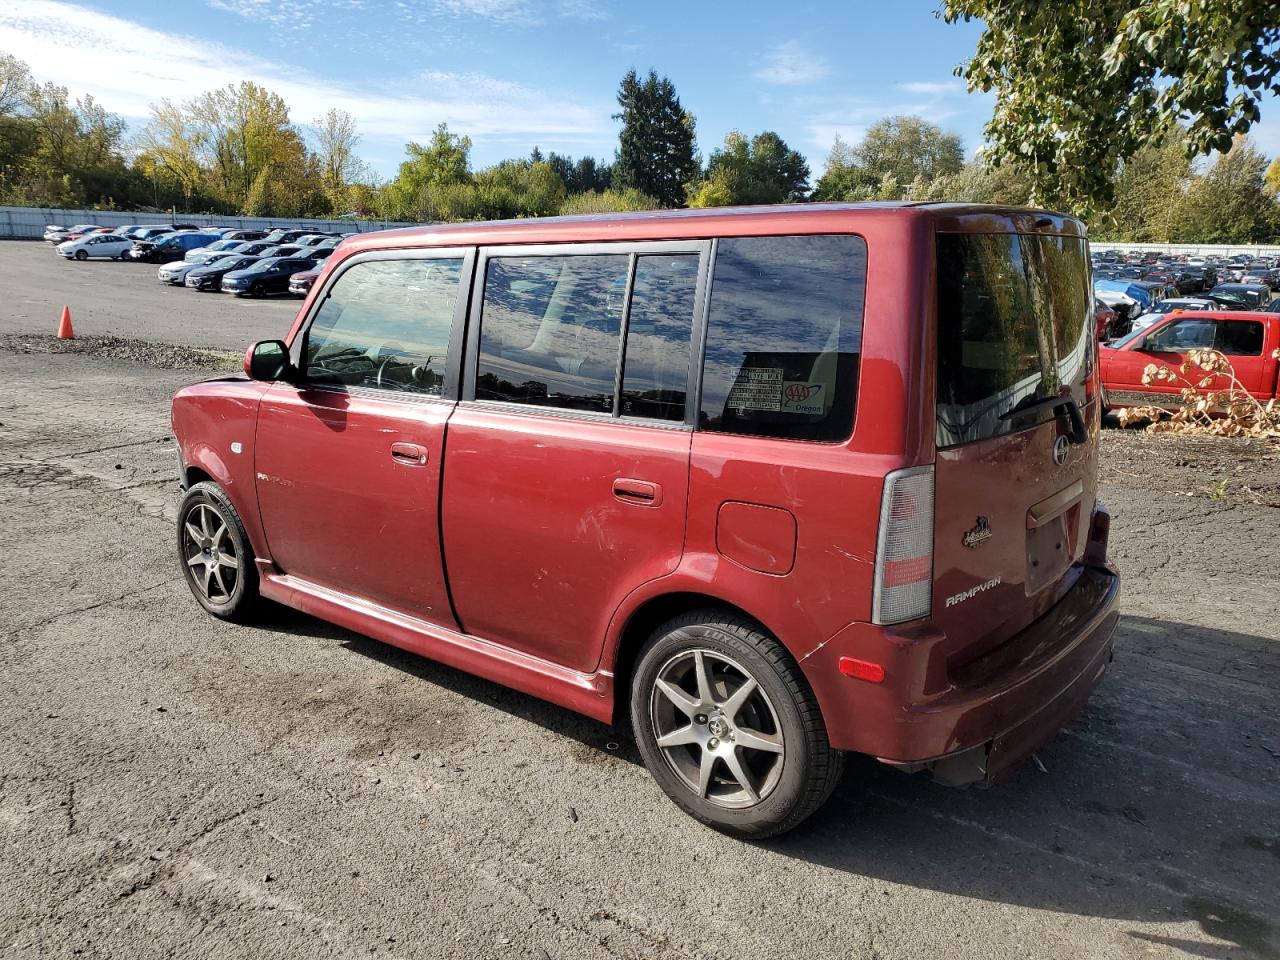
x,y
1248,338
1104,320
737,475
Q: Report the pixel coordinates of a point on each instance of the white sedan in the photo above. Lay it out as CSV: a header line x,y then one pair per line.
x,y
176,272
109,245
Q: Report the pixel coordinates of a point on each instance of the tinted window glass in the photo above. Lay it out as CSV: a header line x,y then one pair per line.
x,y
386,324
550,330
784,333
1183,335
656,368
1239,338
1014,326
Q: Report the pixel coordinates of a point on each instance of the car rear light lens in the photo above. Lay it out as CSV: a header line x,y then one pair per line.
x,y
904,551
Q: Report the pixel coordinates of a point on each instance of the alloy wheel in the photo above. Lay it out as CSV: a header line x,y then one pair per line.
x,y
717,728
210,553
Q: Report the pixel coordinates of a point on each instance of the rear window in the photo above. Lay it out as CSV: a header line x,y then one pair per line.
x,y
784,334
1014,325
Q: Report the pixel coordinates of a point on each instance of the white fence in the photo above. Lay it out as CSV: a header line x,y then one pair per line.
x,y
1192,249
28,223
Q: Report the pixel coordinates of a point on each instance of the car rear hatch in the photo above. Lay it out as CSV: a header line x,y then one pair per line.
x,y
1016,433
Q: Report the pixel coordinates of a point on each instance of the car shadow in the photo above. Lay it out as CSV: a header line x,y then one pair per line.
x,y
1158,805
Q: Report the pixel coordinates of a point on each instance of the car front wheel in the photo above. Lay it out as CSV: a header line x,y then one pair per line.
x,y
214,553
82,255
728,726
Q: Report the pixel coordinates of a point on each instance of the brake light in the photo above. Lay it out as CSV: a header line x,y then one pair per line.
x,y
904,550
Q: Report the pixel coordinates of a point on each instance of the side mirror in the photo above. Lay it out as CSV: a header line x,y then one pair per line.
x,y
268,360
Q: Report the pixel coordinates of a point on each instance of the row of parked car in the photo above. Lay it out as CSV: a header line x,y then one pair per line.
x,y
227,259
1137,290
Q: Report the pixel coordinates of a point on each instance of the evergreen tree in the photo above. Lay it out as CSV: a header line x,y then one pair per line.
x,y
656,147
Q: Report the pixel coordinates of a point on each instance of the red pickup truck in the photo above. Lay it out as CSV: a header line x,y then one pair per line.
x,y
1250,340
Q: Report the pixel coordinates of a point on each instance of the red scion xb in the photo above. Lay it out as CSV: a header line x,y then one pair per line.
x,y
772,483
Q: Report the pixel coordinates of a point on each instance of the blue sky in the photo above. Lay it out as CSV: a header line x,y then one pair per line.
x,y
514,73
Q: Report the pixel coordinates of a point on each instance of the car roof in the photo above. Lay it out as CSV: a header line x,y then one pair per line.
x,y
704,222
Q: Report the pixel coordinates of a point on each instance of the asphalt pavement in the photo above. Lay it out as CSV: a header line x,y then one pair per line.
x,y
174,786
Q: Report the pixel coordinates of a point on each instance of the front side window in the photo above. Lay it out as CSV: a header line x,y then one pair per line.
x,y
385,324
784,336
1235,338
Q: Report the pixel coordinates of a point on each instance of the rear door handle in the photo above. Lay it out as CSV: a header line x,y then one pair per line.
x,y
640,492
408,453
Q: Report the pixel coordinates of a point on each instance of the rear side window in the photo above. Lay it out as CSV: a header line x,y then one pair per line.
x,y
784,335
552,330
385,325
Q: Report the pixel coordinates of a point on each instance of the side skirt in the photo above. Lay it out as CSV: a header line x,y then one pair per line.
x,y
588,693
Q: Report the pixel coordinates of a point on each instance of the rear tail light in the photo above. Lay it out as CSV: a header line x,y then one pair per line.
x,y
904,551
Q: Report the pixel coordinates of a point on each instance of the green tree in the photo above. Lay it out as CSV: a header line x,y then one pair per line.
x,y
1081,85
908,147
243,130
336,140
1229,203
843,179
977,183
432,181
608,201
656,148
760,170
1149,193
1273,179
169,148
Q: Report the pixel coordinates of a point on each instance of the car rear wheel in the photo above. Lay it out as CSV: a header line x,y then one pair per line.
x,y
728,726
82,255
214,553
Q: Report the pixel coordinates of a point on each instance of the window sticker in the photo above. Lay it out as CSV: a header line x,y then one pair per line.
x,y
799,396
757,388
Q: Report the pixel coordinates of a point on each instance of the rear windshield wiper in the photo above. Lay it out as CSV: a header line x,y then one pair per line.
x,y
1059,406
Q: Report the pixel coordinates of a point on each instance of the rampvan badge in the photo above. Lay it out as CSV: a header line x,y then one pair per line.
x,y
980,533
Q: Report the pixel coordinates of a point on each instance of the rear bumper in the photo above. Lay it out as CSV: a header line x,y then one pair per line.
x,y
995,710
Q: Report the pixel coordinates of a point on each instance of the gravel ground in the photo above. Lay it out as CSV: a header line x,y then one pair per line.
x,y
173,786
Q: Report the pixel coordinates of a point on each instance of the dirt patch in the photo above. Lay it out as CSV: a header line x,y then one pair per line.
x,y
164,355
1221,469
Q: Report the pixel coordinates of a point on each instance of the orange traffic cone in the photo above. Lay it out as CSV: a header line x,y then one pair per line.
x,y
64,325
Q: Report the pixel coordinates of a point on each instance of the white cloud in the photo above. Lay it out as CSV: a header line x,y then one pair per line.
x,y
932,87
293,14
127,66
790,64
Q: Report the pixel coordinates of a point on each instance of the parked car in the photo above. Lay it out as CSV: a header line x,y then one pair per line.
x,y
176,272
243,234
265,276
285,236
171,246
1104,320
280,250
209,276
55,234
1249,295
300,284
98,245
1248,338
218,246
719,549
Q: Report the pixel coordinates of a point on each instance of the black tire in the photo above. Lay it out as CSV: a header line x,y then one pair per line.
x,y
82,255
206,579
257,290
790,786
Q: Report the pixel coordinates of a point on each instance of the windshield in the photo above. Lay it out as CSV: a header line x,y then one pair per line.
x,y
1014,326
